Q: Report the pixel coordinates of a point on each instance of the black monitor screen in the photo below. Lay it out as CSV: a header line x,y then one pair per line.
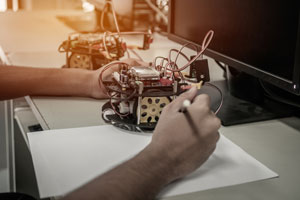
x,y
262,34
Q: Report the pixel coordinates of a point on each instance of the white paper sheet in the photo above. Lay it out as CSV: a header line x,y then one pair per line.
x,y
66,159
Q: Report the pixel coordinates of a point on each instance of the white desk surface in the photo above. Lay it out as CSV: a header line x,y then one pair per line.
x,y
32,38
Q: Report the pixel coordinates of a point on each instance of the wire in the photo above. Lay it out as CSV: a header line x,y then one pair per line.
x,y
115,110
105,67
184,46
178,52
102,17
115,16
159,67
109,34
100,82
108,2
105,46
207,39
221,94
124,99
171,65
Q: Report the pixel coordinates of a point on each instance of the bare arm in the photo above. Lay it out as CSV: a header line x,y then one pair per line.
x,y
176,149
139,178
21,81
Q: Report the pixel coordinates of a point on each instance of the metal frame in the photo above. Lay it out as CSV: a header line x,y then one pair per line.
x,y
9,133
291,86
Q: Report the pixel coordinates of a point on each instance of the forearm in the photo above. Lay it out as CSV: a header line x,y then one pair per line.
x,y
139,178
21,81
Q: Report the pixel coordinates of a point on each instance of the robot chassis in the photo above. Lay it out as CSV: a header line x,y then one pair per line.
x,y
93,50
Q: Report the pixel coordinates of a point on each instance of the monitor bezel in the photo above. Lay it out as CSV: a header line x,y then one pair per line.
x,y
288,85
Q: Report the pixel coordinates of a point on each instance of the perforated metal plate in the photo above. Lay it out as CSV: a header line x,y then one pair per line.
x,y
80,61
151,108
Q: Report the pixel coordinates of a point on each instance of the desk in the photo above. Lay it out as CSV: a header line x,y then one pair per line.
x,y
275,143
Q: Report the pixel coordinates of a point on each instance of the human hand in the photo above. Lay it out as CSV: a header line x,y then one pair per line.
x,y
98,91
186,140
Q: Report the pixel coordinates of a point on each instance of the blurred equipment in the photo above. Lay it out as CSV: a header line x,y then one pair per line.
x,y
259,43
93,50
133,15
161,9
105,17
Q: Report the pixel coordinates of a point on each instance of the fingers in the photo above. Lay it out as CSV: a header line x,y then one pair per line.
x,y
212,125
202,100
210,122
214,143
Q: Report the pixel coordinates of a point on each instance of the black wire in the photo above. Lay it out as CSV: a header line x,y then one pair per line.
x,y
221,94
220,65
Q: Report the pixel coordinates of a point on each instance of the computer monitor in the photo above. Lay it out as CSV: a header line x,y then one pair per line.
x,y
256,38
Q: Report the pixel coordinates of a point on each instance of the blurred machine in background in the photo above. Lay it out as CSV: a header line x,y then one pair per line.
x,y
137,15
96,44
94,49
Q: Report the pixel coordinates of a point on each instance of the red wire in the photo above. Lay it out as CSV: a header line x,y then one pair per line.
x,y
171,65
107,66
181,49
100,81
205,43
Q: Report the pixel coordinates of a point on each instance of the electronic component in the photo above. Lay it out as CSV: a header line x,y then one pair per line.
x,y
199,70
137,97
92,50
151,108
145,73
138,94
